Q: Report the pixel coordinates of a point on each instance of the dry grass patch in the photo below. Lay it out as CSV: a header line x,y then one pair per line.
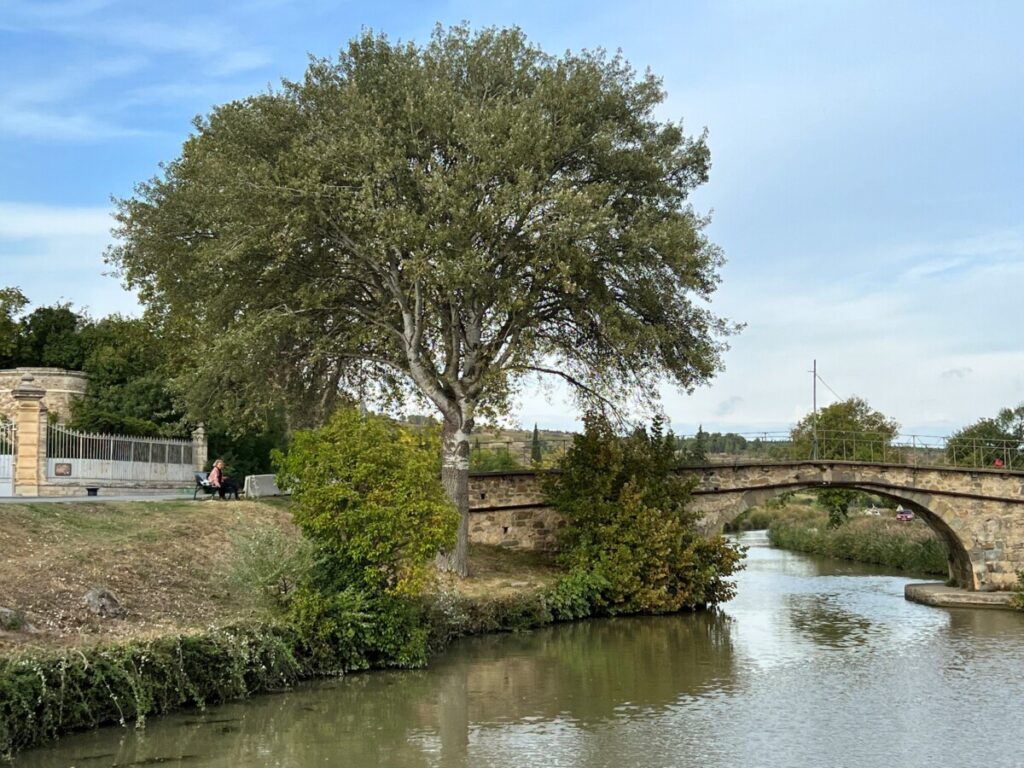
x,y
165,561
170,564
499,572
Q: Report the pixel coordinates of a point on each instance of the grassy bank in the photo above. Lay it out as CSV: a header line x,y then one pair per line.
x,y
907,546
192,633
168,562
47,692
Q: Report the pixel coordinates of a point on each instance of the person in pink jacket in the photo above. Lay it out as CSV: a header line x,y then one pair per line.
x,y
225,485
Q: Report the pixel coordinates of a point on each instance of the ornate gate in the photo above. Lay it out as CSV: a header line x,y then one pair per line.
x,y
6,458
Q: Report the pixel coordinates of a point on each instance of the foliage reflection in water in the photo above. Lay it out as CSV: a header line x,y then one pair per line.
x,y
815,663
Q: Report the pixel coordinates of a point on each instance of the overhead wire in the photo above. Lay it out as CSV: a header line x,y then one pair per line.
x,y
837,396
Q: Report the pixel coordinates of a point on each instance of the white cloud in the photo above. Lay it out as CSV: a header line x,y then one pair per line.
x,y
57,11
957,373
39,125
45,107
55,253
728,406
933,348
24,221
57,102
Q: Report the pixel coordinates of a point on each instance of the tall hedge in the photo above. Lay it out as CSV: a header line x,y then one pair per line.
x,y
629,528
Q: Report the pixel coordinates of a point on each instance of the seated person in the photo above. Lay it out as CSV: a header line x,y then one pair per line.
x,y
225,485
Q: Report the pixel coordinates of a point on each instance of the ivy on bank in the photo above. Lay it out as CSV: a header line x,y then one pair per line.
x,y
46,694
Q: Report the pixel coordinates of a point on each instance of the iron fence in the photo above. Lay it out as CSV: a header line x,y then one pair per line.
x,y
6,437
7,443
86,456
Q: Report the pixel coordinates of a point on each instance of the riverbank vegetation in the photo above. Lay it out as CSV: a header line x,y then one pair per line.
x,y
870,534
630,537
204,590
906,546
218,600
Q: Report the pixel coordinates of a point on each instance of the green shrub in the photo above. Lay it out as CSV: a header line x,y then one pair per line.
x,y
574,596
628,526
756,519
269,562
492,460
1018,596
368,494
370,498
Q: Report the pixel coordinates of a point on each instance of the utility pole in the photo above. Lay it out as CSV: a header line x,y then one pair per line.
x,y
814,419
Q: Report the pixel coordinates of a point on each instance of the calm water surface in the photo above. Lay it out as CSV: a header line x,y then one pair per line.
x,y
815,663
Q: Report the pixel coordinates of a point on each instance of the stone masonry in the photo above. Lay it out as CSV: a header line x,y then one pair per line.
x,y
508,509
29,415
979,514
61,388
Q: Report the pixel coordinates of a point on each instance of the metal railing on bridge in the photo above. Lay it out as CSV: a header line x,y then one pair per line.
x,y
918,450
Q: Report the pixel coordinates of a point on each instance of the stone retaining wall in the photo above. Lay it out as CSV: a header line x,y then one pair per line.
x,y
78,488
61,388
507,509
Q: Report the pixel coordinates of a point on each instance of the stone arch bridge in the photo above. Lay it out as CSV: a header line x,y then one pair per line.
x,y
978,513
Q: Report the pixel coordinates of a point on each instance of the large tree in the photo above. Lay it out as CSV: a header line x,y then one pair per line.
x,y
850,430
442,220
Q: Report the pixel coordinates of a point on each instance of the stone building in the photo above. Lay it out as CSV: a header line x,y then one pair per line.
x,y
61,388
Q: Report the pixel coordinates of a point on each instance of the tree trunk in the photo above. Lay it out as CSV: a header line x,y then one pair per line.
x,y
455,478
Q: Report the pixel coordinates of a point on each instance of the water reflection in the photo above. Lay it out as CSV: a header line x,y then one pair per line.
x,y
821,620
553,681
815,663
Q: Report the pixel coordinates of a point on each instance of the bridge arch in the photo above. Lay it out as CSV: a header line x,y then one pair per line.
x,y
978,515
959,561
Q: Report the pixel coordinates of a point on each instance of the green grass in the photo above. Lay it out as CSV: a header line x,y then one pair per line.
x,y
911,547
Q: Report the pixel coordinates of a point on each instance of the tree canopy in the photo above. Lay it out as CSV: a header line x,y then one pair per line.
x,y
128,390
994,441
12,301
439,220
850,430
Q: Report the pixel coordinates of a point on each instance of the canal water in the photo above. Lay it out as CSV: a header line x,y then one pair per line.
x,y
815,663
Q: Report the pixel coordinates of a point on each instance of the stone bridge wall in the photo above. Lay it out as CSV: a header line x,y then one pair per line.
x,y
507,509
979,514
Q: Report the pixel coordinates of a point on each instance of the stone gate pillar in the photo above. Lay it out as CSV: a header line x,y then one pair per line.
x,y
30,423
200,450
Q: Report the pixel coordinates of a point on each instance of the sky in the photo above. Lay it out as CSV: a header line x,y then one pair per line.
x,y
867,186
